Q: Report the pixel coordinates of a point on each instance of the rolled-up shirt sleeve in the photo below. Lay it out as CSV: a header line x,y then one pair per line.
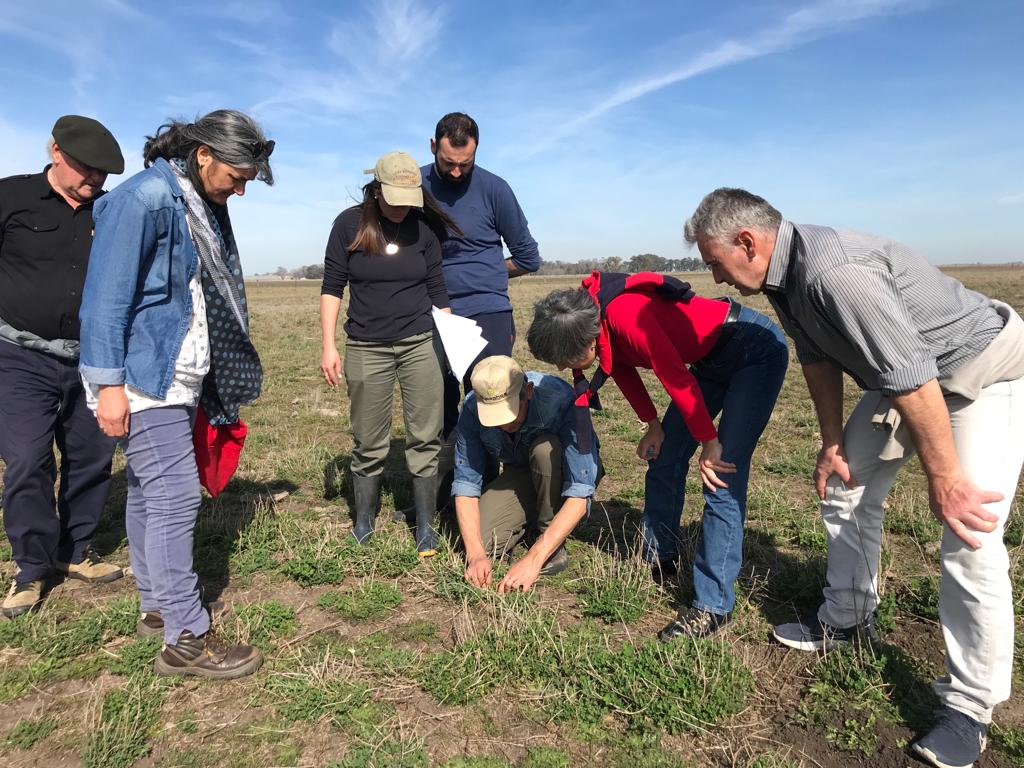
x,y
470,454
865,308
579,469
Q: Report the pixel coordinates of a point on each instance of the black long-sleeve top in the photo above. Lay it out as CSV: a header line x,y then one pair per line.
x,y
390,296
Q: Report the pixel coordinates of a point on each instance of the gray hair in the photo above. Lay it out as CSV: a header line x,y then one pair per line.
x,y
564,324
724,212
232,137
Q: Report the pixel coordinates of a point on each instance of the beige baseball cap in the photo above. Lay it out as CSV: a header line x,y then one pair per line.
x,y
497,382
399,178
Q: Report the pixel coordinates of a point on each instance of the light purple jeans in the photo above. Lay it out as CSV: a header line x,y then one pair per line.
x,y
163,503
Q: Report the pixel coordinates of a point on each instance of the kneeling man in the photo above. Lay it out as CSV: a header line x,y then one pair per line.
x,y
550,468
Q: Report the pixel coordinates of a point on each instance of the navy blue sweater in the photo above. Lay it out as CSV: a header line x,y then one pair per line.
x,y
487,211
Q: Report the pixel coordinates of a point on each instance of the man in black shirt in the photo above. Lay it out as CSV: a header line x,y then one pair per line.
x,y
45,234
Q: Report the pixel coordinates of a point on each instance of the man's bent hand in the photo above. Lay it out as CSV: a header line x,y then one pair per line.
x,y
521,576
832,461
957,503
478,571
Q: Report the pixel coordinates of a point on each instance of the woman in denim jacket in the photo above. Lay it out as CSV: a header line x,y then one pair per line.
x,y
165,329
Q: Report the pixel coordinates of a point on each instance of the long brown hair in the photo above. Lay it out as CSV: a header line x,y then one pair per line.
x,y
370,238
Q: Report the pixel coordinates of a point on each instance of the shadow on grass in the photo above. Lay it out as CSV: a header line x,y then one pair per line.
x,y
221,521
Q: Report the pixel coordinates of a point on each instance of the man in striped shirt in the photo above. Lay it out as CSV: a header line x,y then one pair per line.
x,y
943,370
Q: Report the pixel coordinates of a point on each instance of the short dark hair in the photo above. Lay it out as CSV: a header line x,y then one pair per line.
x,y
458,128
565,323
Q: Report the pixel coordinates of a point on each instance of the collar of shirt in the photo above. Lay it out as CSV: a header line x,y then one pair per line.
x,y
778,268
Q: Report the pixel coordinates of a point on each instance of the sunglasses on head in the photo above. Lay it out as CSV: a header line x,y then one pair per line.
x,y
261,150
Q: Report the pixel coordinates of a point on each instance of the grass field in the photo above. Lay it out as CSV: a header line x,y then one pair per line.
x,y
376,659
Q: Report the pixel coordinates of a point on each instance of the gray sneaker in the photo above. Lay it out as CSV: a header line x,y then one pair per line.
x,y
812,634
956,741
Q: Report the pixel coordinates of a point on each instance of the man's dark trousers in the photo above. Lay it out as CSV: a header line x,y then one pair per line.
x,y
42,401
499,331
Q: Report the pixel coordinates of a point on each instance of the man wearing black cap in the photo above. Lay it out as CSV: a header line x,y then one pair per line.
x,y
45,234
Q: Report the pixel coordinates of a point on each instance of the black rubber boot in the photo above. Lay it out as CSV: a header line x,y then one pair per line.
x,y
366,492
424,494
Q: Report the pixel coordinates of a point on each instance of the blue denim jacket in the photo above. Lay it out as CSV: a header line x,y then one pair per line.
x,y
550,412
136,306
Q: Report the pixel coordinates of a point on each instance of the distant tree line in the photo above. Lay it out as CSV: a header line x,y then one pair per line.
x,y
308,272
641,262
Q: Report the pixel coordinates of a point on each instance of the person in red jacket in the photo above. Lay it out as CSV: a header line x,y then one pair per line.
x,y
712,356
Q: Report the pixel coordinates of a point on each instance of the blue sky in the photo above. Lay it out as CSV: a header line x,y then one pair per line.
x,y
610,120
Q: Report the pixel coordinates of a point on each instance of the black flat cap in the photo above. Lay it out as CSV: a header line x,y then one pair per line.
x,y
89,142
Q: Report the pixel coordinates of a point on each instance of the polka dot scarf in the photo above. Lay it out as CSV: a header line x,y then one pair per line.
x,y
235,375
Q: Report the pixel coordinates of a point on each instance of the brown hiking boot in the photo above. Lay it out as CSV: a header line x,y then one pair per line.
x,y
92,570
22,598
152,623
207,657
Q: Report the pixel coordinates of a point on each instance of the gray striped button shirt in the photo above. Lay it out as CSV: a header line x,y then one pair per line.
x,y
873,307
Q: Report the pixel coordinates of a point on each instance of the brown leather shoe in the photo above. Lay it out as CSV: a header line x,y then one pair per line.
x,y
152,623
22,598
92,570
207,657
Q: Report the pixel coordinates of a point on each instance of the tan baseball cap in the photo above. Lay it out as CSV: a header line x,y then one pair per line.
x,y
497,382
399,178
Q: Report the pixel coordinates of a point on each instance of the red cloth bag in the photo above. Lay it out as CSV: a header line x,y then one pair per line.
x,y
217,450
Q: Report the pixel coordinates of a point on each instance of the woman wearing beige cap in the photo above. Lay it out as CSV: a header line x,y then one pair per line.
x,y
387,250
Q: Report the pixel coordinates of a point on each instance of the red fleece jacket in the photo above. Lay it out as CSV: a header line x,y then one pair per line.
x,y
647,331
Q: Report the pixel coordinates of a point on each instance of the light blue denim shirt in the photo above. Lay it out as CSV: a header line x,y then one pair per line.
x,y
136,305
550,412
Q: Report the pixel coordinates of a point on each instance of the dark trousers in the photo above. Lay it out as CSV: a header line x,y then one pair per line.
x,y
42,401
499,330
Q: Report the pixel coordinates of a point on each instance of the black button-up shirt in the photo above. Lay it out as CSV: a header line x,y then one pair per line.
x,y
44,251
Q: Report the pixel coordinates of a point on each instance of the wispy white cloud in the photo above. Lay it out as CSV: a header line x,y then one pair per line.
x,y
1011,199
86,52
799,27
378,53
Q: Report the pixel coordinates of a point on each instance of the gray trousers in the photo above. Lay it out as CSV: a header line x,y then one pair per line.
x,y
371,370
160,517
520,503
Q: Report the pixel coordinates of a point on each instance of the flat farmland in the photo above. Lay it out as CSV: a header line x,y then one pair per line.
x,y
377,659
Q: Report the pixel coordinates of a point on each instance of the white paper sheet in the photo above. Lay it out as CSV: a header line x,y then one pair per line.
x,y
461,338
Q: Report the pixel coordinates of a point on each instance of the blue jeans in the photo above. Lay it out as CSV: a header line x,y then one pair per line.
x,y
740,379
160,517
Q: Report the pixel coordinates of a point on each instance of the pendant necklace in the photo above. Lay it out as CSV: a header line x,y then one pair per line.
x,y
391,247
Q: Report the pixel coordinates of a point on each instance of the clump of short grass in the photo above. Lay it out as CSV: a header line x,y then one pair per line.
x,y
378,653
615,589
1009,741
62,631
262,623
476,762
312,563
848,696
137,656
546,757
387,556
418,630
15,681
388,753
26,733
369,600
317,691
256,544
680,686
125,724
